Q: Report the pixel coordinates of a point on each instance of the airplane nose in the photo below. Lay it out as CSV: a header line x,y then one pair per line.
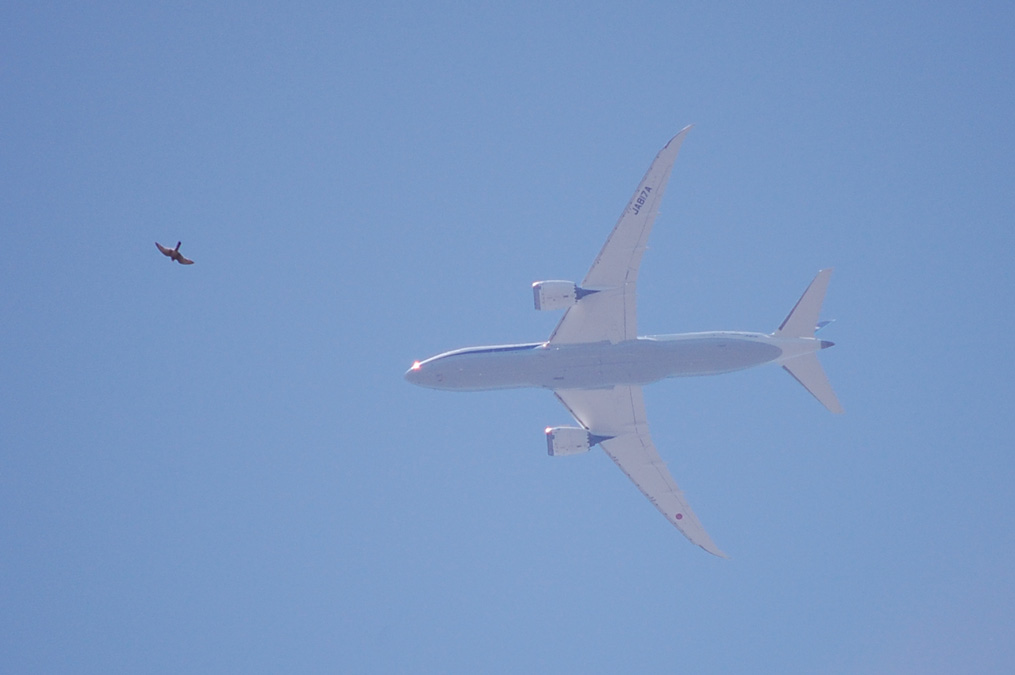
x,y
412,375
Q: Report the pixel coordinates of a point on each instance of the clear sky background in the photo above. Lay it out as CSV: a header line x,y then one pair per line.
x,y
219,468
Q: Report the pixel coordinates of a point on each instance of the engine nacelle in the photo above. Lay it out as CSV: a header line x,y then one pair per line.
x,y
554,294
567,441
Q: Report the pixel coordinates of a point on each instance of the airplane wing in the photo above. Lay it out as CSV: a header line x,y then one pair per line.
x,y
619,413
609,312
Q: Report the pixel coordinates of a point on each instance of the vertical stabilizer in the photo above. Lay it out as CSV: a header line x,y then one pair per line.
x,y
803,318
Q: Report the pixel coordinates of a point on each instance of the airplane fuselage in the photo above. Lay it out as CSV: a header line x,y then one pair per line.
x,y
603,364
596,364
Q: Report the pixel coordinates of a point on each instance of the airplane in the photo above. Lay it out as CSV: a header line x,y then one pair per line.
x,y
596,364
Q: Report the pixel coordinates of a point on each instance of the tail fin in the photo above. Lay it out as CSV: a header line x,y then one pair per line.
x,y
802,322
807,371
803,318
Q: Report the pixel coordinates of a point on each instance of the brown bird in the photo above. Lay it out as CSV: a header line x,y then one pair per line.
x,y
174,253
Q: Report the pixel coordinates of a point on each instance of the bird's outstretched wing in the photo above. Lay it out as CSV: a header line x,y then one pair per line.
x,y
183,261
165,251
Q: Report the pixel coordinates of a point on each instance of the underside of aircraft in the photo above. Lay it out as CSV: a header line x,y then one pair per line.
x,y
596,364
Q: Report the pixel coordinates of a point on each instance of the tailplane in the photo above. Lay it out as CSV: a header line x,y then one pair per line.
x,y
802,322
807,371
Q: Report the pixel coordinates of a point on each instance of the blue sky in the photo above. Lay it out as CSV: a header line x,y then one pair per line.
x,y
219,468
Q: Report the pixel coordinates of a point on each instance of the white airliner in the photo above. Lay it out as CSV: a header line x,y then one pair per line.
x,y
596,364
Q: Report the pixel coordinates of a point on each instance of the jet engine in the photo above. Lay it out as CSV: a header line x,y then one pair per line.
x,y
557,294
554,294
567,441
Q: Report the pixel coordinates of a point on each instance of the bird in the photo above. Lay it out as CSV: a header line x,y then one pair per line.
x,y
174,253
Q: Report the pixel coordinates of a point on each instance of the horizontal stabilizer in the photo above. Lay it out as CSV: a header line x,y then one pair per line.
x,y
807,371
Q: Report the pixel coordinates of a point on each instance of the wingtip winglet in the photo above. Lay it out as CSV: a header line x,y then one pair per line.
x,y
679,137
717,553
710,547
697,535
